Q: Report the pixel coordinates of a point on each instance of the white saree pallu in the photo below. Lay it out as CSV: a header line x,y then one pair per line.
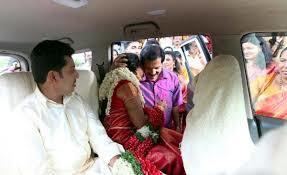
x,y
216,138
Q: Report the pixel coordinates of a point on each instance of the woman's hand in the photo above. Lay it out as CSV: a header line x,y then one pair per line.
x,y
120,61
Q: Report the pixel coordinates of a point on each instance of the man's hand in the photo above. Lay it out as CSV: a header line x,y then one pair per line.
x,y
120,61
161,105
113,160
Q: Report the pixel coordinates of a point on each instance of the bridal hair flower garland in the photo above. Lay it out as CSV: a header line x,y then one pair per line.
x,y
111,80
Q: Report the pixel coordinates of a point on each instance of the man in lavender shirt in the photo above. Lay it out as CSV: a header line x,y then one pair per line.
x,y
158,85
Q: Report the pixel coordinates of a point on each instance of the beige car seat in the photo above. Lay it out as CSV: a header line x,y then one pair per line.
x,y
14,87
217,139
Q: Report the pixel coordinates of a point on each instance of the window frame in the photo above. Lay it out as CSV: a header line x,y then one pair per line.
x,y
22,58
83,51
259,123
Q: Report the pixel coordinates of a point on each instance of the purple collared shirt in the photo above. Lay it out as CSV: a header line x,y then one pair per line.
x,y
166,88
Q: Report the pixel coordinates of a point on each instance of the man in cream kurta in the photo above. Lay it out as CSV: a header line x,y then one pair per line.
x,y
54,130
57,138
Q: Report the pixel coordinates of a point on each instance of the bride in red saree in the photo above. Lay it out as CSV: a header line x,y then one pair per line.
x,y
138,128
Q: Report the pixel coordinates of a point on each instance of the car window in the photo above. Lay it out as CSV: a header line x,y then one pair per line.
x,y
83,60
266,68
192,51
9,64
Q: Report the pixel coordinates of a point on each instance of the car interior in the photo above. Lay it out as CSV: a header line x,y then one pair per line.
x,y
95,28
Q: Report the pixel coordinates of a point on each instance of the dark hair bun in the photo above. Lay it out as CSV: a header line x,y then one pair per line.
x,y
133,61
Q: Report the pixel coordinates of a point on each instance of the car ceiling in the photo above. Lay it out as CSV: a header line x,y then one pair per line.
x,y
102,21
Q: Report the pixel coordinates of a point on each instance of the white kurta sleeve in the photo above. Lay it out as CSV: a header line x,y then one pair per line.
x,y
29,153
99,140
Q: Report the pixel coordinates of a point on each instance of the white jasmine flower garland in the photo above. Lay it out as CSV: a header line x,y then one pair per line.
x,y
127,165
147,131
122,167
144,131
111,80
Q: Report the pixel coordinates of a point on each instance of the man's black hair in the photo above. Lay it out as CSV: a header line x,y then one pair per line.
x,y
151,53
49,55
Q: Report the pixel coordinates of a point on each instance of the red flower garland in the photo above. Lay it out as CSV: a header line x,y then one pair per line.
x,y
139,150
137,147
143,148
156,116
147,167
132,143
